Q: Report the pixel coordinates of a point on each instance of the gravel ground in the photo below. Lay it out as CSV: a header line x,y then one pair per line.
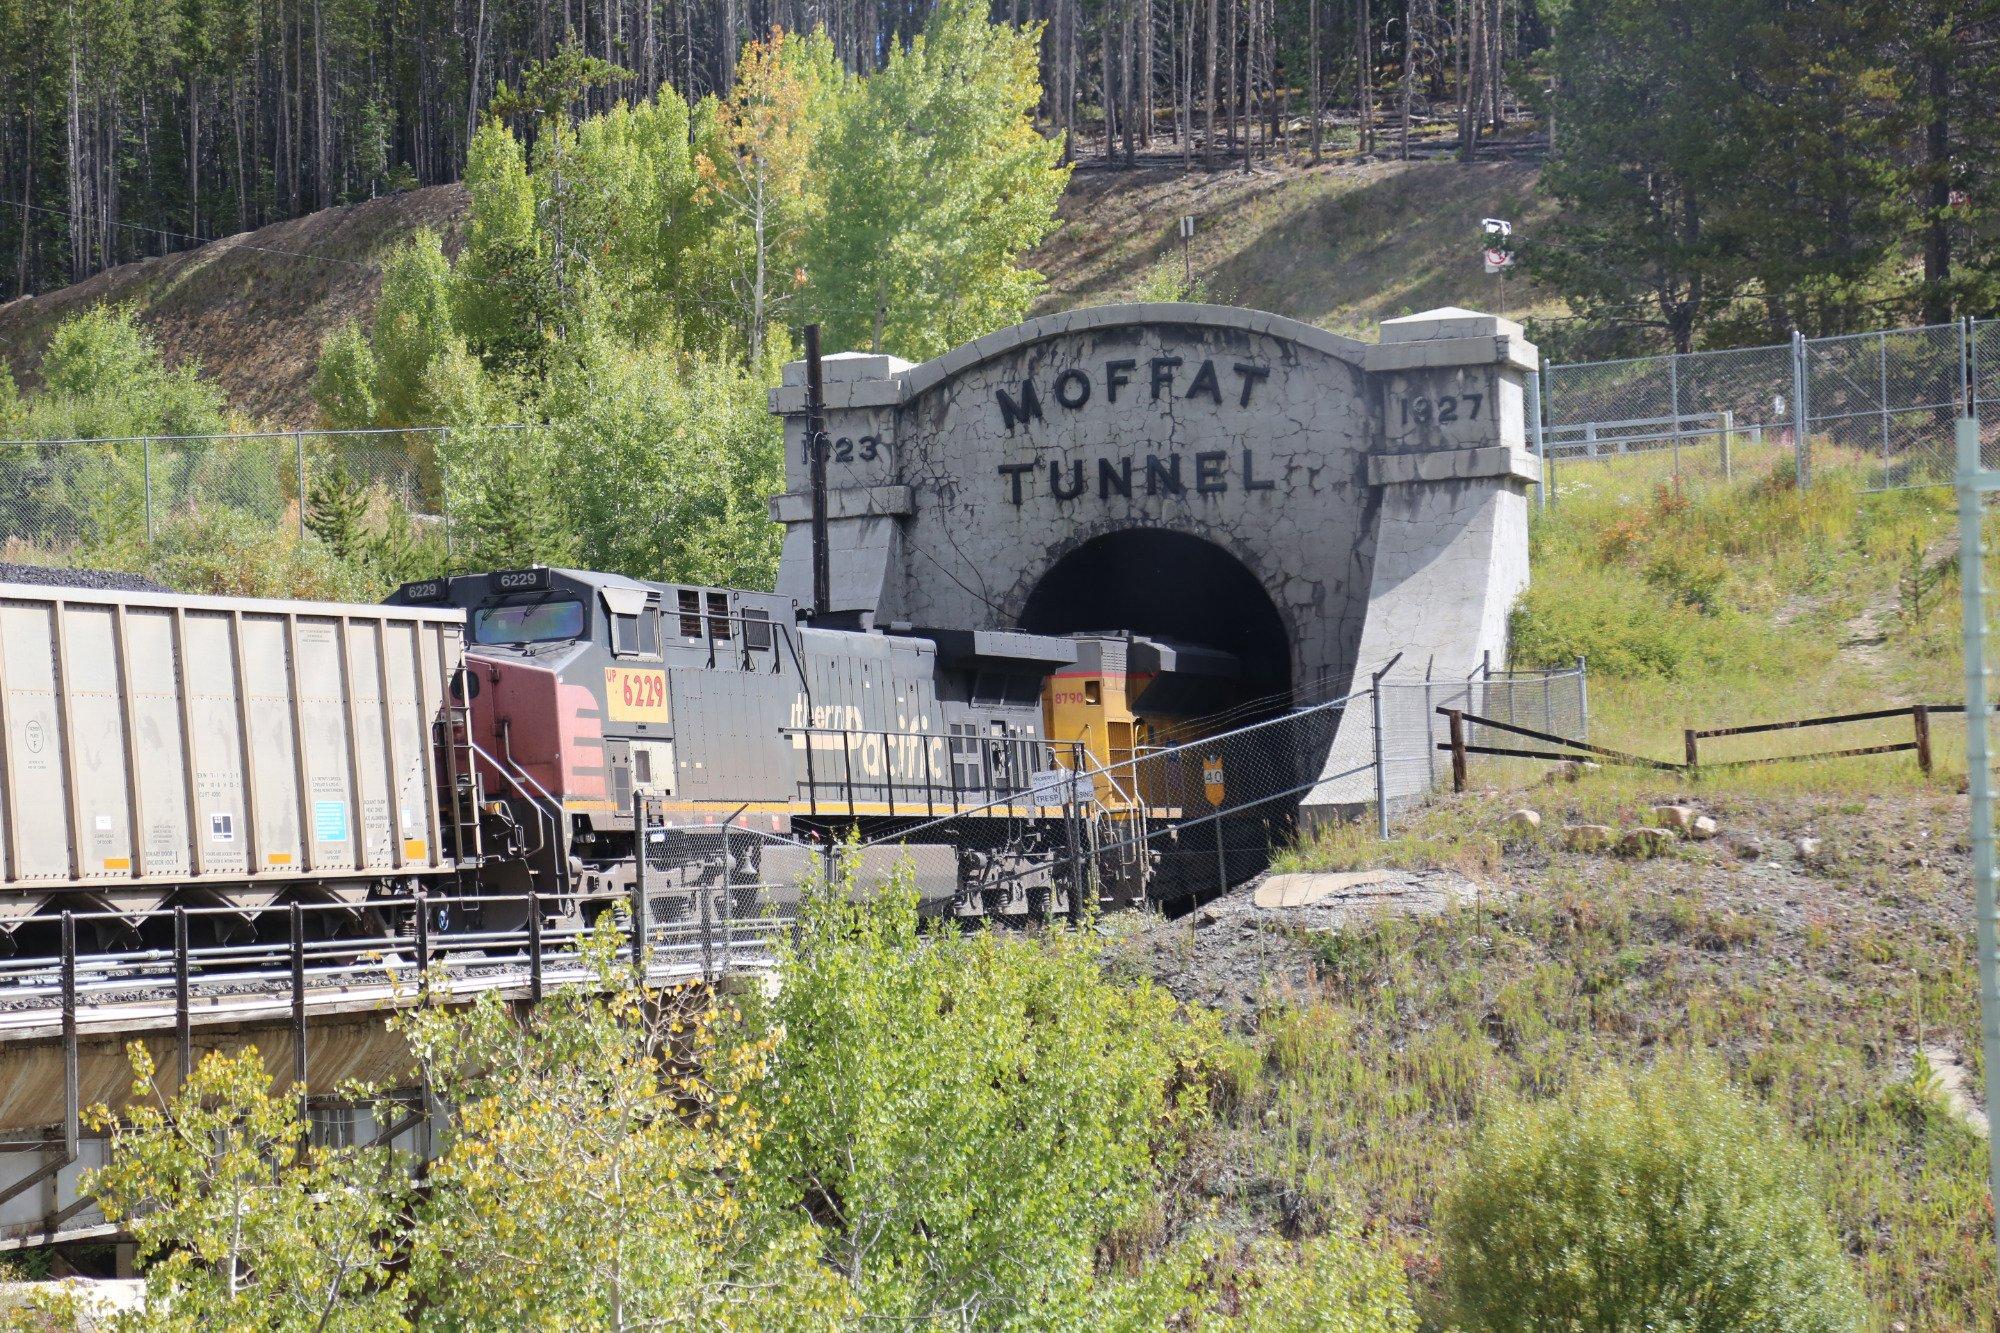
x,y
1231,953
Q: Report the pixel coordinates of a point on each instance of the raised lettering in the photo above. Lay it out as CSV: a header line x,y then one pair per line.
x,y
1163,375
1208,466
1117,374
1075,487
1073,380
1013,413
1250,482
1250,374
1164,476
1205,382
1111,478
1016,471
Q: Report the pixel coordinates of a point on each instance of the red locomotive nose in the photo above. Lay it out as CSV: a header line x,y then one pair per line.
x,y
527,717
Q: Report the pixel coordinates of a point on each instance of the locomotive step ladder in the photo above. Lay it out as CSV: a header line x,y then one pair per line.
x,y
452,733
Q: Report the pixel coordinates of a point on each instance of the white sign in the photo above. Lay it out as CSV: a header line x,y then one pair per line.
x,y
1498,260
1187,226
1053,786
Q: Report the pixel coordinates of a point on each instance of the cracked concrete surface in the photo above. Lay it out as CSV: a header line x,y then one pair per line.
x,y
1376,492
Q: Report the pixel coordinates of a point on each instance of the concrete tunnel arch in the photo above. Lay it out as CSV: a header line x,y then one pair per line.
x,y
1085,470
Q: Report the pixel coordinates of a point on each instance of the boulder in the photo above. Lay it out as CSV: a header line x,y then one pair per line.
x,y
1645,843
1807,848
1702,829
1679,818
1524,824
1588,837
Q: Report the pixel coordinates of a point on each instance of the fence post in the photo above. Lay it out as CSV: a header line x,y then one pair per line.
x,y
1535,423
1381,764
1590,439
1728,430
1920,720
1801,419
534,946
300,1070
1691,743
1966,400
299,448
639,877
1674,406
149,489
1457,716
183,1012
1582,698
1882,397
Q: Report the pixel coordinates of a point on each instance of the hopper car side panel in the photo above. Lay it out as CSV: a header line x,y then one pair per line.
x,y
149,741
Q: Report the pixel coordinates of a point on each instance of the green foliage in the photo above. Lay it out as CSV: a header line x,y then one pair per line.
x,y
240,1220
936,183
1730,170
345,379
968,1117
103,375
1335,1283
664,462
1167,280
413,327
602,1169
1656,1201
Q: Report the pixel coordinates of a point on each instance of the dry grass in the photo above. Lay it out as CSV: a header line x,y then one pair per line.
x,y
1343,246
249,308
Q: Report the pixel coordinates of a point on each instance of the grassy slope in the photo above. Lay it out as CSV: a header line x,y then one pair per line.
x,y
249,308
1837,982
1341,246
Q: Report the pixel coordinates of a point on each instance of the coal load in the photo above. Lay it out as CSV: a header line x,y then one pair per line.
x,y
104,580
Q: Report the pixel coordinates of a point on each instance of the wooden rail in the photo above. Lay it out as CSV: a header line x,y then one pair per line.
x,y
1582,751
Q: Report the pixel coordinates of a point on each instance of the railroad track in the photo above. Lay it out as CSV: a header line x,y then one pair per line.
x,y
141,988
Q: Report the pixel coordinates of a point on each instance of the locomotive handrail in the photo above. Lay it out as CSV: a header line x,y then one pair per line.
x,y
1008,795
519,775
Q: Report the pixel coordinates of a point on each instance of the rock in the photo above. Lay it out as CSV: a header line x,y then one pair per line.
x,y
1702,829
1524,823
1679,818
1749,849
1588,837
1645,843
1807,848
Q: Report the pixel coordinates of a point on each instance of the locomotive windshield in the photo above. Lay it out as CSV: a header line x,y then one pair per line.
x,y
541,622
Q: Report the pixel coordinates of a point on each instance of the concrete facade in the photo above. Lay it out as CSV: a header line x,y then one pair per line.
x,y
1311,501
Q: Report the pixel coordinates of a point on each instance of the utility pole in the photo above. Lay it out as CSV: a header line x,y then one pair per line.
x,y
822,602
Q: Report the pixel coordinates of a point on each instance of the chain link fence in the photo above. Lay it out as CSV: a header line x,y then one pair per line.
x,y
1202,815
64,501
1878,404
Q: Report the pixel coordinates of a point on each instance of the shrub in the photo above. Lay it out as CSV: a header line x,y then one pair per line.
x,y
1337,1283
1656,1201
969,1116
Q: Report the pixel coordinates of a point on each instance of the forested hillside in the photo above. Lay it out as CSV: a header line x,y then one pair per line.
x,y
129,127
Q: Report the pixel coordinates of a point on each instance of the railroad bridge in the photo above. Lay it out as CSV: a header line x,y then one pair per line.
x,y
1311,503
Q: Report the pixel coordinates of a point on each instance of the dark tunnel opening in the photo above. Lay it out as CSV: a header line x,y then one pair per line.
x,y
1174,587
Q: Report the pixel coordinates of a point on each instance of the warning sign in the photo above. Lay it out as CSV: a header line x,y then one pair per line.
x,y
1211,779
